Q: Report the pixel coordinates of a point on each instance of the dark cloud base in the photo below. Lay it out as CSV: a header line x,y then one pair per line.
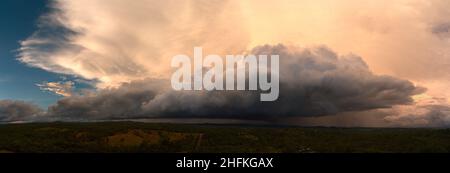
x,y
11,110
313,82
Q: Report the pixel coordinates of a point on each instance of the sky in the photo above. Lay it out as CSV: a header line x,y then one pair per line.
x,y
17,80
381,63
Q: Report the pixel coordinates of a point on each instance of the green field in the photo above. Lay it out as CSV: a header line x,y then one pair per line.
x,y
111,137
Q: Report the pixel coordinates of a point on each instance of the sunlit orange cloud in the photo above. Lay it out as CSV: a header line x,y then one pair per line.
x,y
116,41
394,37
129,41
119,41
404,38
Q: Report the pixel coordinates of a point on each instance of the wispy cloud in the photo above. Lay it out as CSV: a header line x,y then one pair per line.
x,y
126,42
60,88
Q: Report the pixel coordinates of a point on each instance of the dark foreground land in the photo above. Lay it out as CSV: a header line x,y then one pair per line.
x,y
172,138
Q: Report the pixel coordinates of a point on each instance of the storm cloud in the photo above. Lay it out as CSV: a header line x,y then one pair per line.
x,y
313,82
11,111
112,42
426,112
